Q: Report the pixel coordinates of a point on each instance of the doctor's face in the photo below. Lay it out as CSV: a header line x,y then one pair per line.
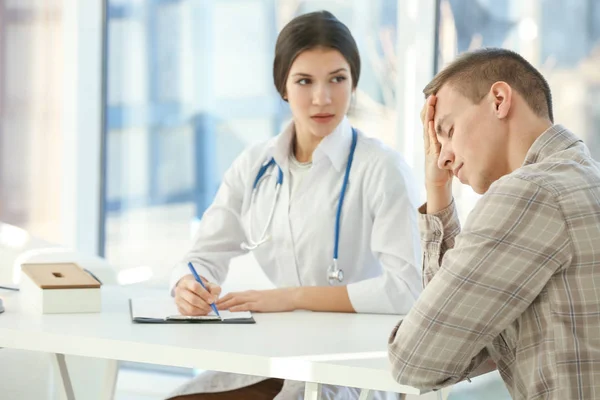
x,y
319,89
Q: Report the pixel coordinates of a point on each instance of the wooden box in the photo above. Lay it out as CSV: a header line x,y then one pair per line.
x,y
59,288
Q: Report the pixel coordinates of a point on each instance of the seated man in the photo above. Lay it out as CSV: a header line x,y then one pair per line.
x,y
520,284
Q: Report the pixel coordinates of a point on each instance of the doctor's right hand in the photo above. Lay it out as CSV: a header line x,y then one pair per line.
x,y
192,299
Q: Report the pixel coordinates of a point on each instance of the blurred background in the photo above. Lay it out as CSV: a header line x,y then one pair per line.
x,y
118,118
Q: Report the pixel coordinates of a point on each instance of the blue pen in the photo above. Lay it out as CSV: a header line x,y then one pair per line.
x,y
197,277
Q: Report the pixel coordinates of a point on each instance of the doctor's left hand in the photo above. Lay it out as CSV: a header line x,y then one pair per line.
x,y
275,300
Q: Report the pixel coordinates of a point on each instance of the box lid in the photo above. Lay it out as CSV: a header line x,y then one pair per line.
x,y
59,276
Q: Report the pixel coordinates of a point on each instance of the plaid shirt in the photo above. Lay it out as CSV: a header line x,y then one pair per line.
x,y
519,284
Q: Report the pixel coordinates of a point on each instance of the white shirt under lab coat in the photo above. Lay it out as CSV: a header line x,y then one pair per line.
x,y
379,249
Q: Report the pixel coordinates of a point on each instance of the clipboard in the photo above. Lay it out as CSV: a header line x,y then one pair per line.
x,y
162,310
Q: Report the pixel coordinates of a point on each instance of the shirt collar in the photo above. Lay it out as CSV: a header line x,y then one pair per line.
x,y
281,145
554,139
334,146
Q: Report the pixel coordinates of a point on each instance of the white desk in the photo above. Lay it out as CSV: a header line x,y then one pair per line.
x,y
317,348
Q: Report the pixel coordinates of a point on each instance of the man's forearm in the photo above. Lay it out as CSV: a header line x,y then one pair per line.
x,y
439,198
438,233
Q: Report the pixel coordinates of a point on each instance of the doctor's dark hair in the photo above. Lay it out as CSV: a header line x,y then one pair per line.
x,y
309,31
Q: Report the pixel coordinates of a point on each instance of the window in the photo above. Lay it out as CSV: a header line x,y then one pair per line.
x,y
31,116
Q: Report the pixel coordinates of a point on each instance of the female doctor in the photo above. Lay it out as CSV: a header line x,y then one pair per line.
x,y
329,214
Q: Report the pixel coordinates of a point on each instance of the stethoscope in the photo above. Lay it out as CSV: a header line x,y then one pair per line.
x,y
334,273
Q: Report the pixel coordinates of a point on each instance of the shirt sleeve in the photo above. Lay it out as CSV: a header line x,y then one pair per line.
x,y
394,240
220,232
438,234
514,240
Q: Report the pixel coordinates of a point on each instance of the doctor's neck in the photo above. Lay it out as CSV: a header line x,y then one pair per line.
x,y
304,145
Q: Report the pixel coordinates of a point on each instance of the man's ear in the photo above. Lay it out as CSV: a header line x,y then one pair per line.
x,y
501,99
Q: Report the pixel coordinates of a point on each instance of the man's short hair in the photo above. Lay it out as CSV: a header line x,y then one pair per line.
x,y
473,73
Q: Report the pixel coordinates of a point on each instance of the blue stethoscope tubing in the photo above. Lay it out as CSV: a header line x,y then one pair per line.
x,y
251,245
334,272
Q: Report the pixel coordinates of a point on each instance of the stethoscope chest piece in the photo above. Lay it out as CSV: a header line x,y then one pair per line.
x,y
335,274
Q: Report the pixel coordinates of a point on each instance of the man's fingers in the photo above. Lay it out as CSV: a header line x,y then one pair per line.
x,y
430,109
432,100
432,136
428,112
426,122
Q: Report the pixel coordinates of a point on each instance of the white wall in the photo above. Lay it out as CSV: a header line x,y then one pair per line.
x,y
82,124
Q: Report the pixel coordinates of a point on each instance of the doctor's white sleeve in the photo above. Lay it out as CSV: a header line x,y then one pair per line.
x,y
220,231
395,241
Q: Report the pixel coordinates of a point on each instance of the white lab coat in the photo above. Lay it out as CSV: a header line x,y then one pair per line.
x,y
379,249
